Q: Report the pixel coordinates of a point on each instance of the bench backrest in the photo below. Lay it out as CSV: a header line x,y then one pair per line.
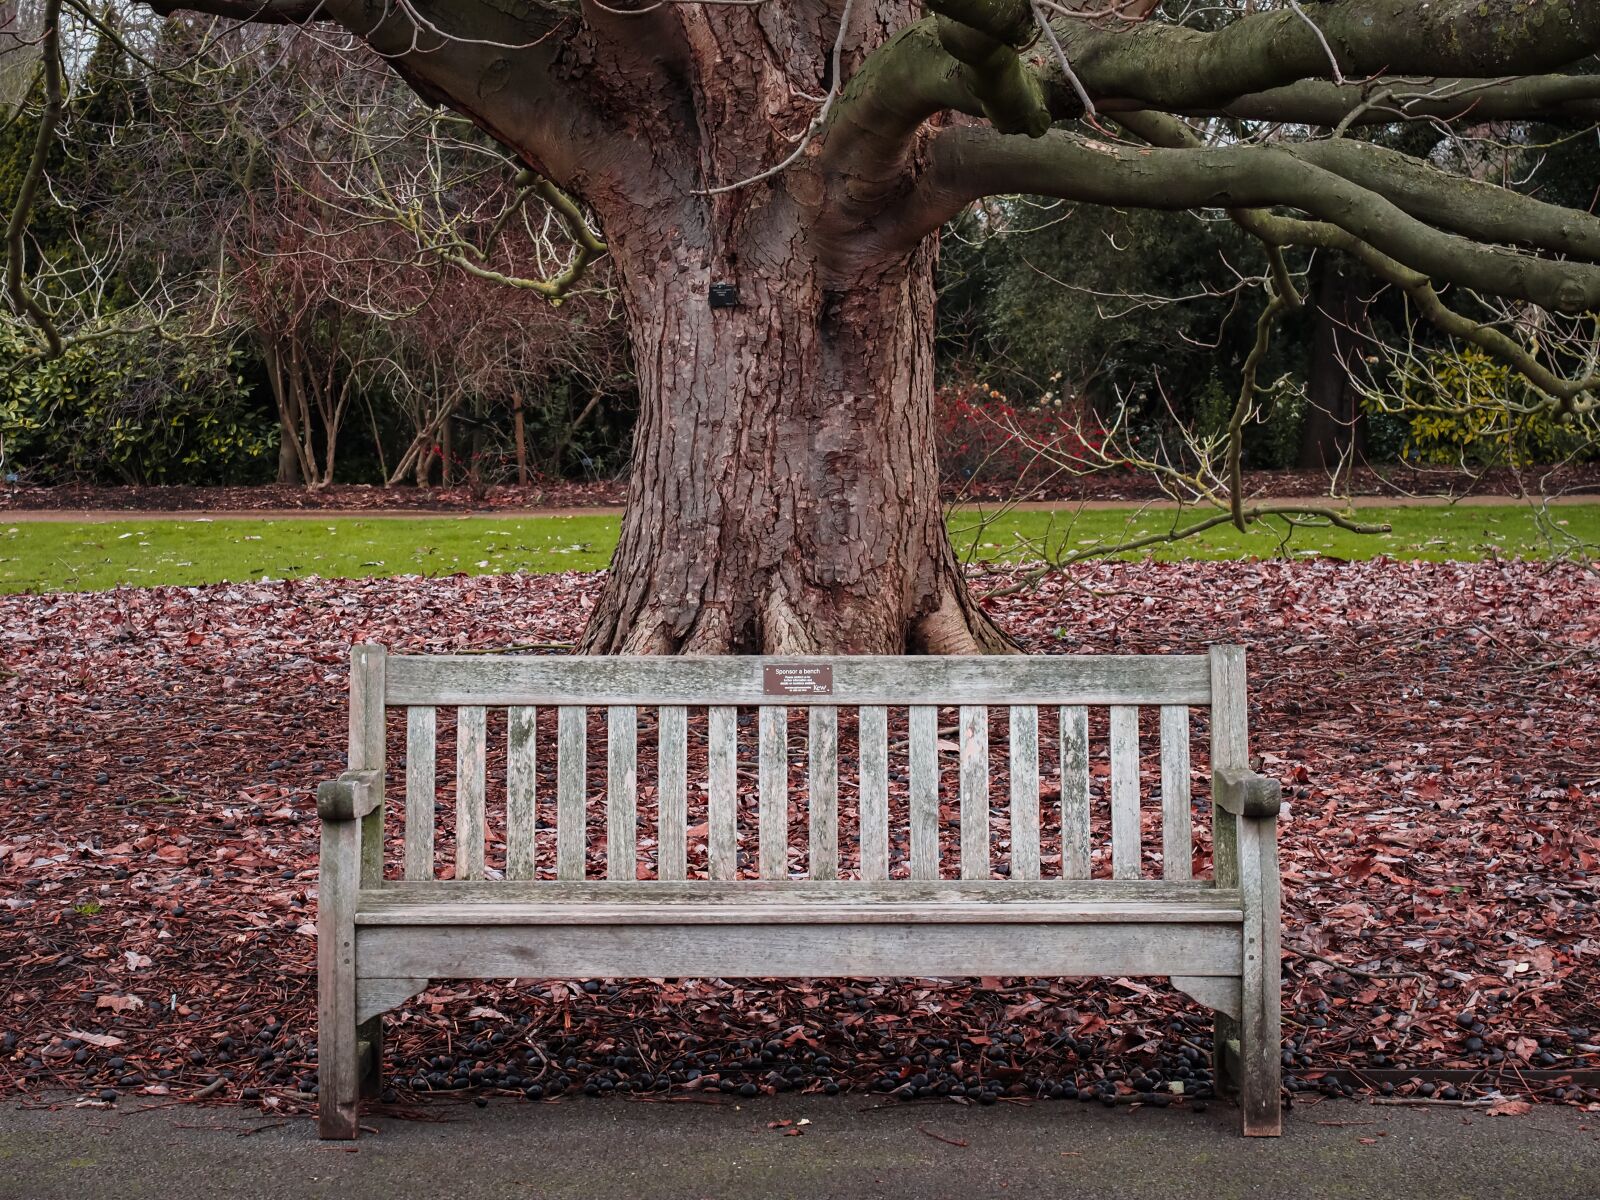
x,y
902,696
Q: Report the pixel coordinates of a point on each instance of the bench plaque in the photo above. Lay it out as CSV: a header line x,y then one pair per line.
x,y
798,680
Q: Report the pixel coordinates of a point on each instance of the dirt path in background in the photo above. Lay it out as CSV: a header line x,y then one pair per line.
x,y
98,516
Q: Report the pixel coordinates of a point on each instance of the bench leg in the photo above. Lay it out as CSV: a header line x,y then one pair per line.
x,y
369,1042
1224,1056
338,1051
1261,1018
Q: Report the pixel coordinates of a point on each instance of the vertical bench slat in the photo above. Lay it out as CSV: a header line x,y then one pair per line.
x,y
873,806
822,753
774,811
974,792
924,791
622,792
672,777
369,740
469,791
420,771
1124,791
1176,845
571,790
1024,791
1075,792
522,791
722,787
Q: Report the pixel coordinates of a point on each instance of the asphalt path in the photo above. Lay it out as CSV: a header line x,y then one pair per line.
x,y
841,1147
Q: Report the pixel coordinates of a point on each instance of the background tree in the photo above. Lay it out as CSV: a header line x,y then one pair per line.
x,y
768,177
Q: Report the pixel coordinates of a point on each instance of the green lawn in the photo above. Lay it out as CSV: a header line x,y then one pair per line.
x,y
60,556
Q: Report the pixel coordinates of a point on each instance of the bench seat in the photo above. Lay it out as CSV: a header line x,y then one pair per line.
x,y
408,933
802,901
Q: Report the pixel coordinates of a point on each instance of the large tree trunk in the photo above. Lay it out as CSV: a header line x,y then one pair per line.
x,y
784,492
1333,417
784,496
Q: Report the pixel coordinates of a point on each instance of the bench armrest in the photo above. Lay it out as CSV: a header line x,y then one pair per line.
x,y
350,797
1244,793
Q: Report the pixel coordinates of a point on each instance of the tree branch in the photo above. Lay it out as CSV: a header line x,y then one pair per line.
x,y
1180,69
968,163
259,12
1470,207
1387,99
22,299
493,62
1566,395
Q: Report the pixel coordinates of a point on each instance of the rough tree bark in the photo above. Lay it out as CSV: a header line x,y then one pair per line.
x,y
784,491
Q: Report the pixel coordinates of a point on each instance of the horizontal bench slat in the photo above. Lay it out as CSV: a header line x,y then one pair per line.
x,y
816,950
972,680
956,912
799,891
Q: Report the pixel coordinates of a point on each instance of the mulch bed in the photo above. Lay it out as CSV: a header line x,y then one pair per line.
x,y
1437,727
1583,479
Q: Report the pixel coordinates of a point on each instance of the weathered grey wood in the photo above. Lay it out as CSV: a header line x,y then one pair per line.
x,y
421,772
775,910
974,743
1125,837
722,791
818,950
350,861
672,796
374,997
1251,845
773,815
522,792
1230,747
1220,994
857,679
1218,941
802,891
1075,863
338,1070
1177,843
873,803
1230,720
572,791
369,666
924,801
622,792
470,818
822,801
352,796
1261,1021
1024,791
1244,793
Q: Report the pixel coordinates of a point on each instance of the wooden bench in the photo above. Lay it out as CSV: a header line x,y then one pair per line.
x,y
681,908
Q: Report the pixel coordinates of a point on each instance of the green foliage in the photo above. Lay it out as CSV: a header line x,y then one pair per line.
x,y
1084,294
136,409
1465,406
1123,307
